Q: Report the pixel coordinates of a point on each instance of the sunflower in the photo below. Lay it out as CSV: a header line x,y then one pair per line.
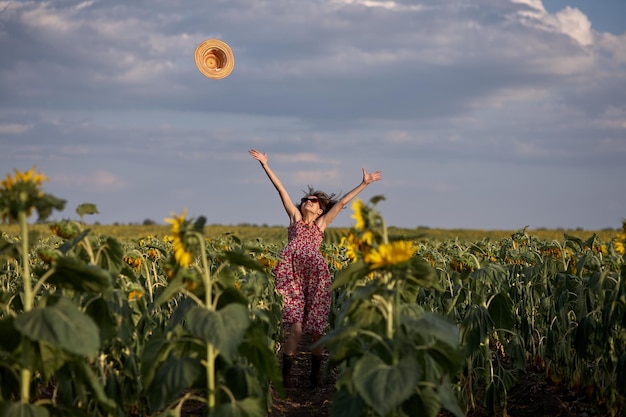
x,y
389,254
357,206
266,262
29,176
179,224
351,244
153,254
134,294
133,261
65,229
354,245
22,192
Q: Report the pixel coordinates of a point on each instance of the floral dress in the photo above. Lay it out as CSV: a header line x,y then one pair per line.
x,y
303,278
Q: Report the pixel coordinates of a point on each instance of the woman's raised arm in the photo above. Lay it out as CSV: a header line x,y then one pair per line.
x,y
290,208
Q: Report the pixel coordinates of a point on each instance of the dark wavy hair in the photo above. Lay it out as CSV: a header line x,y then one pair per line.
x,y
326,201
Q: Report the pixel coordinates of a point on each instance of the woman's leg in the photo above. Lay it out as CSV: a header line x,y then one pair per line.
x,y
289,351
316,320
291,344
316,362
318,350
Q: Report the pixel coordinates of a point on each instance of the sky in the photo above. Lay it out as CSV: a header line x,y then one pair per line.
x,y
481,114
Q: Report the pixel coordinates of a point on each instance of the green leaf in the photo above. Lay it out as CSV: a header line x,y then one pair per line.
x,y
8,250
98,310
440,338
255,348
86,208
495,397
345,404
620,370
91,380
10,339
46,203
62,325
584,336
500,309
224,328
344,343
172,377
156,349
377,199
173,288
71,272
14,409
111,255
516,351
425,403
242,259
385,387
449,399
248,407
435,326
475,327
52,359
421,273
350,274
67,246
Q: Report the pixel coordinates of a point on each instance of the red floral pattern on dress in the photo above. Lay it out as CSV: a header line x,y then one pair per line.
x,y
303,279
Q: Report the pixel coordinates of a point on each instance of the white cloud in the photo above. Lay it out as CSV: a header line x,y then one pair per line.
x,y
389,5
569,21
99,181
575,23
397,136
84,5
533,4
45,19
445,90
14,128
615,47
613,118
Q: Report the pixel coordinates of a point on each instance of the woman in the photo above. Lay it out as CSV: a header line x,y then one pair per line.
x,y
302,275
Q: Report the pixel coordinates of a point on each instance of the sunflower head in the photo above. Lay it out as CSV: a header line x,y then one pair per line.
x,y
356,246
65,229
357,215
135,294
185,237
28,177
153,254
390,254
48,256
22,192
133,260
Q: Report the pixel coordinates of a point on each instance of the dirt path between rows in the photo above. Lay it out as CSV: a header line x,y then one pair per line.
x,y
532,396
300,399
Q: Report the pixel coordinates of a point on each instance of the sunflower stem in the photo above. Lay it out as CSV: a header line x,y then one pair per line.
x,y
25,373
211,353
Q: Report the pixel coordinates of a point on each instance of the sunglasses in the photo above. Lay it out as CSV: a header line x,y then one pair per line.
x,y
311,199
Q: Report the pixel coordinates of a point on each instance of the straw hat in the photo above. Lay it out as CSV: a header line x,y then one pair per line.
x,y
214,58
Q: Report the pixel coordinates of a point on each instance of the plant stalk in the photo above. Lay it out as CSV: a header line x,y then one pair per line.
x,y
211,353
25,372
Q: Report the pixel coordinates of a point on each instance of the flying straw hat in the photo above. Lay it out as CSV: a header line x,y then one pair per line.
x,y
214,58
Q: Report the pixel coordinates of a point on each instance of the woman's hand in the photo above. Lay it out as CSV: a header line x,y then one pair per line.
x,y
261,157
371,177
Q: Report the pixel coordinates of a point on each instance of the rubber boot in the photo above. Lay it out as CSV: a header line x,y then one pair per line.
x,y
316,366
287,365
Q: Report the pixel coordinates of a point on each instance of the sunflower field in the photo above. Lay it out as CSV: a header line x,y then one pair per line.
x,y
96,324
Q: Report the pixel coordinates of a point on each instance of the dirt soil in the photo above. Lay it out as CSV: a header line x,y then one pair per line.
x,y
532,396
301,399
